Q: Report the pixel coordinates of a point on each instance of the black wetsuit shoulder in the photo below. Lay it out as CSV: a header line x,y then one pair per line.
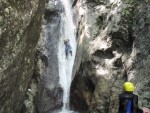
x,y
123,101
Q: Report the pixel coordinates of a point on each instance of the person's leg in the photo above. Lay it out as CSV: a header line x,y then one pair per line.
x,y
66,52
71,52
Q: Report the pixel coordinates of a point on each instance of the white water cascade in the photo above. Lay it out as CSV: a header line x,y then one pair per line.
x,y
66,65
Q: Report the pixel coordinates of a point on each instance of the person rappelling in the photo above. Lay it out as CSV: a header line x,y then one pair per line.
x,y
68,48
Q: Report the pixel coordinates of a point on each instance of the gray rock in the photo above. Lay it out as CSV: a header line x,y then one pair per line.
x,y
113,47
48,96
19,33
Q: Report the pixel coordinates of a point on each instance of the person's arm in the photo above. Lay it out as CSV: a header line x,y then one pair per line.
x,y
136,109
135,102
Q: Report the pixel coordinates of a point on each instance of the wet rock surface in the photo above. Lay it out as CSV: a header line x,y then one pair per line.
x,y
48,96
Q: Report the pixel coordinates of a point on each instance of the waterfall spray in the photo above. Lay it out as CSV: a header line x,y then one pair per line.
x,y
66,65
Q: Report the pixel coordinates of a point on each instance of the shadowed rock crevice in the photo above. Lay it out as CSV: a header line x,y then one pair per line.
x,y
74,3
104,54
118,63
98,2
90,85
77,101
120,43
49,14
82,89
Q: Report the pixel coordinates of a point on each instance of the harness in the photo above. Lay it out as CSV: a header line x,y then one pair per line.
x,y
129,109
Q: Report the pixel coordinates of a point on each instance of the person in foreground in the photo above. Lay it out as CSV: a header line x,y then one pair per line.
x,y
128,102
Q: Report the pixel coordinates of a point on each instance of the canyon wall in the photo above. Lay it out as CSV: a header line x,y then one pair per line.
x,y
113,47
20,23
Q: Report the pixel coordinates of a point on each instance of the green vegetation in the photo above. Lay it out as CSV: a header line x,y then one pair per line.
x,y
128,12
128,16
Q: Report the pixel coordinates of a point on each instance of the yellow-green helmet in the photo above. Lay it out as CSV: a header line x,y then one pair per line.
x,y
128,86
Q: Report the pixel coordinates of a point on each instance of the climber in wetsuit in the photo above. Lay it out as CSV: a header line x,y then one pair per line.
x,y
128,102
68,48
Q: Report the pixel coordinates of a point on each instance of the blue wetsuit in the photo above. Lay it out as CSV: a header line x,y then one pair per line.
x,y
68,49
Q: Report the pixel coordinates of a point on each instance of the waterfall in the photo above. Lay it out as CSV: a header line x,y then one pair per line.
x,y
66,65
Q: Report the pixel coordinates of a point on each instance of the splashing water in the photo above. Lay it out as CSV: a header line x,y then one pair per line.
x,y
66,65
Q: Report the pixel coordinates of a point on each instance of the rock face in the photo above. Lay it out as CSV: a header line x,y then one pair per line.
x,y
113,47
44,94
20,23
49,97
